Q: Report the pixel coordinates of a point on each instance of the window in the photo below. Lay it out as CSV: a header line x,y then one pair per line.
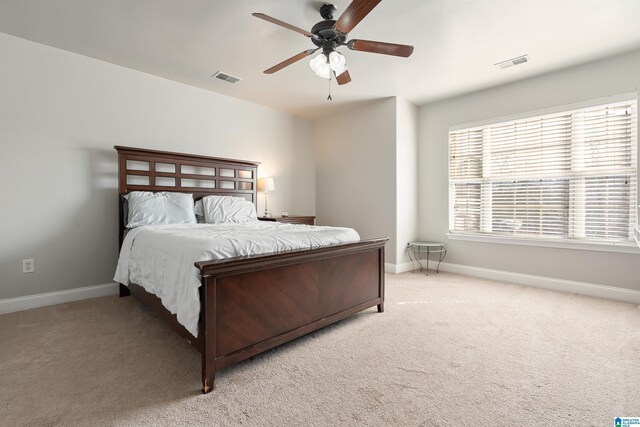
x,y
568,175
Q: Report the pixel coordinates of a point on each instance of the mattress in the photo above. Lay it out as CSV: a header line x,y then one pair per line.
x,y
160,258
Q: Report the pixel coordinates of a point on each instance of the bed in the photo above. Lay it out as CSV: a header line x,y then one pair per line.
x,y
251,304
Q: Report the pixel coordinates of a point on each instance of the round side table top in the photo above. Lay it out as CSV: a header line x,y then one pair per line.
x,y
430,244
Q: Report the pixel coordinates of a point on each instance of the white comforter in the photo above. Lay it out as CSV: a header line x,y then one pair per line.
x,y
160,258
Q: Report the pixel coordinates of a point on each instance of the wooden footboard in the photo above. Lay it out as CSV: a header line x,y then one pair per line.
x,y
252,304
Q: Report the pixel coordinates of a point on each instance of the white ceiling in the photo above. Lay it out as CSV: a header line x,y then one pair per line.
x,y
456,42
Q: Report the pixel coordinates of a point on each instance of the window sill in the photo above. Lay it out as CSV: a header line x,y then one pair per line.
x,y
627,248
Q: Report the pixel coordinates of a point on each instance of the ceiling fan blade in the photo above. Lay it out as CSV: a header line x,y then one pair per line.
x,y
282,24
380,47
285,63
343,78
353,14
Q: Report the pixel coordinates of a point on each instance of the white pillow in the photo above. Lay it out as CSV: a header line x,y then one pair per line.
x,y
147,208
218,209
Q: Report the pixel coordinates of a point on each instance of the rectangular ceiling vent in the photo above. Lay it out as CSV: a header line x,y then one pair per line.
x,y
226,77
513,61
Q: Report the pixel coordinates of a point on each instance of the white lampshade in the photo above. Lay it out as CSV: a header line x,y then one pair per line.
x,y
325,71
320,66
337,61
317,62
266,184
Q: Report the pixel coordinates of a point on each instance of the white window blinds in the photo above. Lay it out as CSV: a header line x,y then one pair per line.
x,y
569,175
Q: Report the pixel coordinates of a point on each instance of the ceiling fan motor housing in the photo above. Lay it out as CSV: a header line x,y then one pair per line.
x,y
326,36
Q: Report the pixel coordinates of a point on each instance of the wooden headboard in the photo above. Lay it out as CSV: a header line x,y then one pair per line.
x,y
141,169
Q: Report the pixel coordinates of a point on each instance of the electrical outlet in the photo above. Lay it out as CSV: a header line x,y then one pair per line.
x,y
28,266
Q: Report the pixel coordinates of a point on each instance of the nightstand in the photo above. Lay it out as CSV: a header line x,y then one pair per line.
x,y
291,219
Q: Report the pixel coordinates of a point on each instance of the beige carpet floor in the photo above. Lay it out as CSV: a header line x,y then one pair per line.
x,y
449,350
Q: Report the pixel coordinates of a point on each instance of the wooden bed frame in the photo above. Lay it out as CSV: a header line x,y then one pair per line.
x,y
251,304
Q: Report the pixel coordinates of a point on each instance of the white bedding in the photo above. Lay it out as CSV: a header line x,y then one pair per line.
x,y
160,258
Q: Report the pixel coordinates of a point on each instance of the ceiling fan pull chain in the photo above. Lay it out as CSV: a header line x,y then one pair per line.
x,y
329,97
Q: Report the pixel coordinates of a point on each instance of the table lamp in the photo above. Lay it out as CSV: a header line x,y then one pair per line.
x,y
266,185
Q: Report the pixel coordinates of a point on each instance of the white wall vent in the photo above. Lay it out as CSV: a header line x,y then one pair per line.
x,y
513,61
226,77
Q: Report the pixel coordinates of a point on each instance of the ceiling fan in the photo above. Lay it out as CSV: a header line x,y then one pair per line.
x,y
330,34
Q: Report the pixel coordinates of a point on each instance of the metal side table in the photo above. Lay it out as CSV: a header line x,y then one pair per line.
x,y
416,249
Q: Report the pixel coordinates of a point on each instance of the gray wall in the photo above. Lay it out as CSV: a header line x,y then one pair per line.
x,y
366,172
60,116
355,170
616,75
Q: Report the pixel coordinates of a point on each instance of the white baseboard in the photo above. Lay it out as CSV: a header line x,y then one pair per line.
x,y
397,268
51,298
582,288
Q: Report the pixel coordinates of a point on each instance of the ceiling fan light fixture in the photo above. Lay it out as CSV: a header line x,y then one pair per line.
x,y
323,65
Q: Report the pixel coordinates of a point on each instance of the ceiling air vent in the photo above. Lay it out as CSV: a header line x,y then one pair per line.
x,y
513,61
226,77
